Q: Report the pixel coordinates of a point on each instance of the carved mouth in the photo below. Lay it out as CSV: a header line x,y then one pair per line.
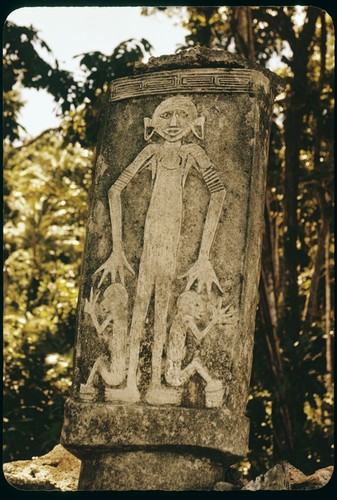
x,y
173,131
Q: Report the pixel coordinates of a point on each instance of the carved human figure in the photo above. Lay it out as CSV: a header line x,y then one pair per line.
x,y
190,309
170,161
112,332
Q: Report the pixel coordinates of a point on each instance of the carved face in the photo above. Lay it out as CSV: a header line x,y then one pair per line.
x,y
197,309
191,304
114,297
173,119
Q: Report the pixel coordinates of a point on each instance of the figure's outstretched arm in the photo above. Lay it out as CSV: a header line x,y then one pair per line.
x,y
220,317
199,335
117,261
202,270
89,308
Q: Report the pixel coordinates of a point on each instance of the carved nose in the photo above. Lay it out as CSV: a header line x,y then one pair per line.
x,y
173,122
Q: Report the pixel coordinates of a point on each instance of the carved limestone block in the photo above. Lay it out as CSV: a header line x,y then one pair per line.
x,y
171,265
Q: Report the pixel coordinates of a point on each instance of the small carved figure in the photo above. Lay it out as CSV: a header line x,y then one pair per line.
x,y
190,309
170,161
112,332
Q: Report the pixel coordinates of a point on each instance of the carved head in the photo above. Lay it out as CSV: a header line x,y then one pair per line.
x,y
191,304
114,297
173,119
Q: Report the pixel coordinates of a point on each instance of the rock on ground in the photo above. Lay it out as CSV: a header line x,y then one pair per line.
x,y
57,470
285,476
318,479
276,478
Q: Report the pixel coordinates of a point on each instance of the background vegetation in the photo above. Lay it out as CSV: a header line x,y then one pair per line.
x,y
46,182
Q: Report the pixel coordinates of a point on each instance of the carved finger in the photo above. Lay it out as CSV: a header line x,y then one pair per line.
x,y
181,276
216,281
101,268
225,309
101,280
209,287
105,273
128,267
120,270
95,298
190,282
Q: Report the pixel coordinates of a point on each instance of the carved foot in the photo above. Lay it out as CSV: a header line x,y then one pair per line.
x,y
158,395
127,395
87,392
214,393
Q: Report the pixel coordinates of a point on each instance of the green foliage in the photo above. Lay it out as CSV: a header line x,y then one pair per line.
x,y
206,25
99,69
21,57
26,63
45,209
12,105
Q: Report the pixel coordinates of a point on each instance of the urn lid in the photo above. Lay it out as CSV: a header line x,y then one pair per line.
x,y
203,57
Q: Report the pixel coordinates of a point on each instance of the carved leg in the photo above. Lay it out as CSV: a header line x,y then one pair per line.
x,y
178,377
214,390
157,394
88,391
201,370
131,394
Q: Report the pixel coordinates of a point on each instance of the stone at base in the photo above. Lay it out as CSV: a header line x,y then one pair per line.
x,y
214,393
87,392
127,395
176,449
149,470
92,427
163,396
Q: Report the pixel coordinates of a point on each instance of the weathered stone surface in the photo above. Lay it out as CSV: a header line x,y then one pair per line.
x,y
93,426
318,479
171,267
285,476
150,470
277,478
203,57
57,470
223,486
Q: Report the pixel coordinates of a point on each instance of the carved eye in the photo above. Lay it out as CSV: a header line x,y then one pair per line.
x,y
182,114
166,115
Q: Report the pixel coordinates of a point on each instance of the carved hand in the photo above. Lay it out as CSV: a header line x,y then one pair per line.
x,y
89,305
221,314
202,270
113,266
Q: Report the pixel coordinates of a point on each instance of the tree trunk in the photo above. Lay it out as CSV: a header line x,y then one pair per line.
x,y
282,427
242,26
329,361
293,129
311,309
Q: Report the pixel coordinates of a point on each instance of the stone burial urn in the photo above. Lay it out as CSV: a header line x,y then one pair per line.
x,y
169,286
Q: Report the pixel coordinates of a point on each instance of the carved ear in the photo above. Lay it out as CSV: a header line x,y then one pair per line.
x,y
198,127
148,125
